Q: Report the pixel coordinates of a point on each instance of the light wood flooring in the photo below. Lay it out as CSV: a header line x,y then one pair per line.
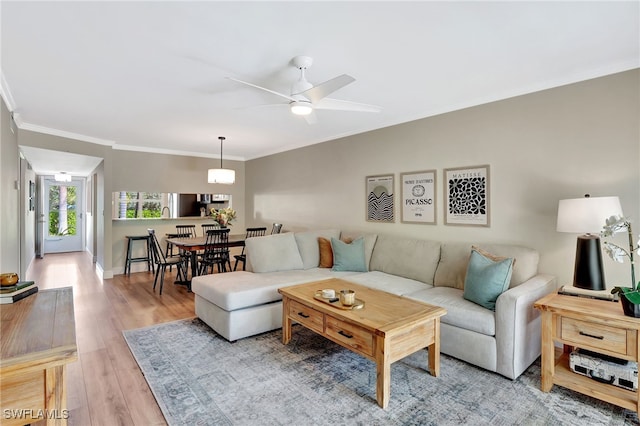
x,y
105,386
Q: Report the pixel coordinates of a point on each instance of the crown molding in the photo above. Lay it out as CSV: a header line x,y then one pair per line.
x,y
64,134
174,152
5,92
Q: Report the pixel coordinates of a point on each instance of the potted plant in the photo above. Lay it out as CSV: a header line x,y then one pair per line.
x,y
629,296
223,216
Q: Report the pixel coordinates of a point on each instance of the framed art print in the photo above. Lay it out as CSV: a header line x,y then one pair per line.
x,y
418,197
466,196
380,204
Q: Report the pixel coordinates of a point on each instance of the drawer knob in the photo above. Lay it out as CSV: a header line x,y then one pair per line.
x,y
345,334
582,333
303,315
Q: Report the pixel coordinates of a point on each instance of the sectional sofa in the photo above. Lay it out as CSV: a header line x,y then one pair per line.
x,y
505,340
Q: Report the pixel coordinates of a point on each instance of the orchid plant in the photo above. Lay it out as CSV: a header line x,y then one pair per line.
x,y
613,225
223,216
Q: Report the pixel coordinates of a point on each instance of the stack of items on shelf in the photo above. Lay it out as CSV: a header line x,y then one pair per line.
x,y
12,290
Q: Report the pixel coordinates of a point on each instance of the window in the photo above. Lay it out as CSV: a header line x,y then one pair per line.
x,y
62,210
133,205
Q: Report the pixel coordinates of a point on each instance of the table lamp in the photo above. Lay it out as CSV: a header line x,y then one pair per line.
x,y
587,216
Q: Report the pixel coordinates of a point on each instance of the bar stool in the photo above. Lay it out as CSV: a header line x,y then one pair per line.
x,y
127,265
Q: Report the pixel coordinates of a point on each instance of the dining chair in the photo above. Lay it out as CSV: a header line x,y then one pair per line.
x,y
277,227
163,262
182,231
186,231
216,252
209,227
251,232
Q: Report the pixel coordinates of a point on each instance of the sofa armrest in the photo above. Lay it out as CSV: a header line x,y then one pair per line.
x,y
518,329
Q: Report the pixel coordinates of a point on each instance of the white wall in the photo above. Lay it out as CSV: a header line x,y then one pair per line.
x,y
543,147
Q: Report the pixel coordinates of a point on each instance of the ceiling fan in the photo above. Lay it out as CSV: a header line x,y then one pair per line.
x,y
305,98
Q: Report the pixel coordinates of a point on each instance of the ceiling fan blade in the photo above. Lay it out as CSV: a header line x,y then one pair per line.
x,y
263,88
340,105
322,90
311,118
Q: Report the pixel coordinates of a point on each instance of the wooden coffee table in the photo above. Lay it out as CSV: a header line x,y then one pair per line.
x,y
385,330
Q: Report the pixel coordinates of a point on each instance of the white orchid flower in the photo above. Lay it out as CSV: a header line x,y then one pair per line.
x,y
615,252
614,224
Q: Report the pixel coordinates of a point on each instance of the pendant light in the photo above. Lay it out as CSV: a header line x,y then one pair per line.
x,y
224,176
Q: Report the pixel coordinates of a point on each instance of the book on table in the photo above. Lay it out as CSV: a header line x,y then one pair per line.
x,y
18,294
11,289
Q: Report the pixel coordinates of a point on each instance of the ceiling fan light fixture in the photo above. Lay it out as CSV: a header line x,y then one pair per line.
x,y
301,108
223,176
62,177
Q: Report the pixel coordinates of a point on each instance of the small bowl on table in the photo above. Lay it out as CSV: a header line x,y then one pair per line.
x,y
8,279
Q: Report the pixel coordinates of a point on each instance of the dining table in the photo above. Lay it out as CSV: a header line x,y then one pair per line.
x,y
195,244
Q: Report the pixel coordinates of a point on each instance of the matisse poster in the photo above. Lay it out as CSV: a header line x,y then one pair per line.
x,y
467,196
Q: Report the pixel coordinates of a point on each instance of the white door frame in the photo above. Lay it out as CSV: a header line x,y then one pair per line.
x,y
64,243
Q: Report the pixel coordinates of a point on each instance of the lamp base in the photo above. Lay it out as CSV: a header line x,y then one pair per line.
x,y
588,272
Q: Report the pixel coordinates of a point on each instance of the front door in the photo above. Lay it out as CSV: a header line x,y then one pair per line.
x,y
63,215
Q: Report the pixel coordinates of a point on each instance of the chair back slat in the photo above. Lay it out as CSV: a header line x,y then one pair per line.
x,y
256,232
189,230
217,241
209,227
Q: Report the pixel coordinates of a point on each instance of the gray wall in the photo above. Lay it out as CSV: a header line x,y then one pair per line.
x,y
543,147
9,195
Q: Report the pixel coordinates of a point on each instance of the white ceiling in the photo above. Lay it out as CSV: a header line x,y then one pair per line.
x,y
150,76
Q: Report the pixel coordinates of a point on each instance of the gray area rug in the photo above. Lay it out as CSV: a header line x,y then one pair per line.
x,y
198,378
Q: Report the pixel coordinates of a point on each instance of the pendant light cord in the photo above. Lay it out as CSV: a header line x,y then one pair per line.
x,y
222,138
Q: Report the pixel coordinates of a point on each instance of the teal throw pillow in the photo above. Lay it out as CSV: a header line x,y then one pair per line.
x,y
348,257
486,279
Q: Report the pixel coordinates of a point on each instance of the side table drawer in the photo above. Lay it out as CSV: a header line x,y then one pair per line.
x,y
595,335
306,316
357,338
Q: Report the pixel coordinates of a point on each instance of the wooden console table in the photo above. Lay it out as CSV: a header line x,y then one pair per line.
x,y
38,340
595,325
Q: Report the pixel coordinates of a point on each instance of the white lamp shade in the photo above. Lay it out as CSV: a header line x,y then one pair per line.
x,y
225,176
586,215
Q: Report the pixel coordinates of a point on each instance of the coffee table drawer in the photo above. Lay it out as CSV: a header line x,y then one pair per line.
x,y
592,334
357,338
306,316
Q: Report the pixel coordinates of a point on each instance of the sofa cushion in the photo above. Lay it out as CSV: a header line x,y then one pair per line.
x,y
369,243
348,256
460,312
387,282
308,245
454,258
486,279
525,260
277,252
326,253
406,257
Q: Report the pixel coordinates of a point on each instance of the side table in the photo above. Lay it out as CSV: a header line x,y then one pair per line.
x,y
38,340
595,325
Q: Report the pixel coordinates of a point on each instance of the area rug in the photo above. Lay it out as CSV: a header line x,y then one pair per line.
x,y
199,378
